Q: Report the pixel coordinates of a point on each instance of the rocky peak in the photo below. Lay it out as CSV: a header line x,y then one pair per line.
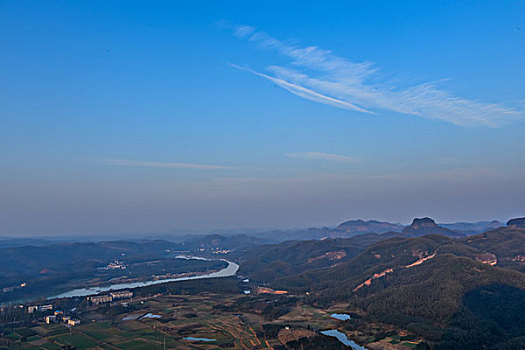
x,y
516,223
423,223
426,226
360,226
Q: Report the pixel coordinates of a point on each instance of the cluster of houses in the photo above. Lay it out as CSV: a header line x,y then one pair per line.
x,y
59,317
56,317
10,289
115,265
108,298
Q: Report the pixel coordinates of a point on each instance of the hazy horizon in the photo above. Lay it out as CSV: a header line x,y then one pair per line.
x,y
179,232
120,117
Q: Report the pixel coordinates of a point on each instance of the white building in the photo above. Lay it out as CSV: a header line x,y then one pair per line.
x,y
73,322
31,309
100,299
123,294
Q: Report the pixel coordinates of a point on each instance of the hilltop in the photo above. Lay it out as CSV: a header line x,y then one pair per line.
x,y
355,227
516,223
427,226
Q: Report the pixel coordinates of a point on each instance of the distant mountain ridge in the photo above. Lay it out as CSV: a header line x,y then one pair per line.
x,y
473,227
356,227
353,227
418,227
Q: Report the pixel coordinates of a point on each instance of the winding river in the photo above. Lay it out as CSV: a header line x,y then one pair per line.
x,y
228,271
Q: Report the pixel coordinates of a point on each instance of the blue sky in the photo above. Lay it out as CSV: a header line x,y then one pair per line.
x,y
169,116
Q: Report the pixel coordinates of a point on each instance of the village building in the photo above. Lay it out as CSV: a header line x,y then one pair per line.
x,y
73,322
123,294
51,319
32,308
100,299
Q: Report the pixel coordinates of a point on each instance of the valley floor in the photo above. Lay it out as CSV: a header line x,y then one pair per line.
x,y
187,322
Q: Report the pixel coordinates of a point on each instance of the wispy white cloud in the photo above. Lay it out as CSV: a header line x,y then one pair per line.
x,y
243,31
171,165
305,92
323,156
322,76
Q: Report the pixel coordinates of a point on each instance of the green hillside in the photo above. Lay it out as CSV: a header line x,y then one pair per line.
x,y
433,286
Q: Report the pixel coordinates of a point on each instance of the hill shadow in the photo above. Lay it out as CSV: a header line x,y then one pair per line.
x,y
490,317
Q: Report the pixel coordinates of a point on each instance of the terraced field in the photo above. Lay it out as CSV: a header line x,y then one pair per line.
x,y
200,321
176,317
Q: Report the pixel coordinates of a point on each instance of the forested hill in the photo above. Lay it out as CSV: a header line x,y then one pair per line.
x,y
434,286
269,262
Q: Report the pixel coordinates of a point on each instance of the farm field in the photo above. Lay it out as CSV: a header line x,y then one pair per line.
x,y
199,321
172,318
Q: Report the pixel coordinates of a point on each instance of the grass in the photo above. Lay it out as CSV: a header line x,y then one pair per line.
x,y
78,340
97,335
240,332
26,332
32,338
134,326
136,345
99,331
48,330
12,336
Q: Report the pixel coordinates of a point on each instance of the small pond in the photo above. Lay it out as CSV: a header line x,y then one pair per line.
x,y
341,317
343,339
199,339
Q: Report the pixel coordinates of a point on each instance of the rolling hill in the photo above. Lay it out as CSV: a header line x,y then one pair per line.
x,y
434,286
